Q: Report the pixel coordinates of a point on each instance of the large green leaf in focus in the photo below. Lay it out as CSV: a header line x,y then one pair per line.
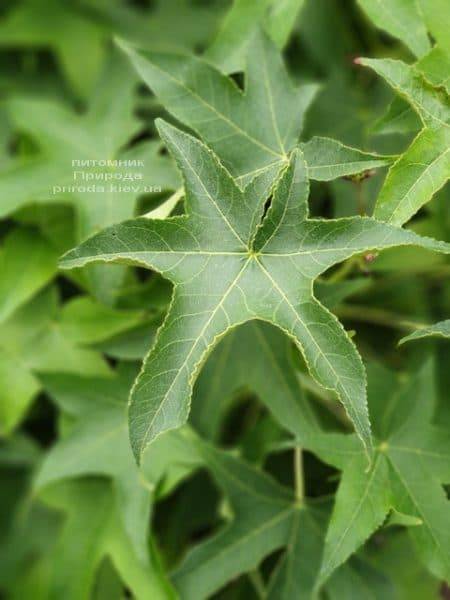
x,y
258,358
230,263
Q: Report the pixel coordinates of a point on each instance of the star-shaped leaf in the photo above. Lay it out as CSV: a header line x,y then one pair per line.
x,y
425,166
222,114
410,465
231,264
97,138
266,516
250,131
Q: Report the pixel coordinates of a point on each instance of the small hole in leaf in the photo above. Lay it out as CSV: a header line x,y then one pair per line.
x,y
238,79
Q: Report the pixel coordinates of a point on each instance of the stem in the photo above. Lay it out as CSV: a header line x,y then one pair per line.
x,y
341,273
361,199
378,317
298,474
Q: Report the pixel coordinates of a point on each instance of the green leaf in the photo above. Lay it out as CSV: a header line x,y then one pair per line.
x,y
359,579
410,464
99,191
18,388
273,377
415,177
211,104
32,341
356,507
86,321
265,516
430,103
435,14
441,329
296,572
328,159
425,166
27,263
435,66
291,476
229,48
397,559
91,532
263,513
402,20
97,444
232,372
228,267
281,19
399,118
76,40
